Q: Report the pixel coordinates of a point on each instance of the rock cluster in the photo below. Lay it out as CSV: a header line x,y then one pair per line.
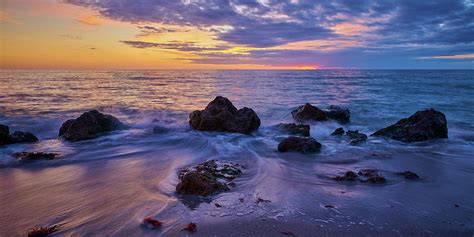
x,y
364,175
210,177
222,116
16,137
89,125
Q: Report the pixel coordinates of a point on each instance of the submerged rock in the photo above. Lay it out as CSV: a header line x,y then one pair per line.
x,y
372,175
338,132
43,231
408,175
295,129
299,144
89,126
16,137
364,176
31,156
421,126
355,137
221,115
210,177
348,176
310,112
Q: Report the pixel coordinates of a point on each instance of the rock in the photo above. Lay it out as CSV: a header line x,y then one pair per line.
x,y
221,115
16,137
338,113
151,223
295,129
408,175
348,176
4,132
210,177
364,176
31,156
376,180
299,144
89,125
421,126
338,132
309,112
355,137
21,137
43,231
368,172
373,176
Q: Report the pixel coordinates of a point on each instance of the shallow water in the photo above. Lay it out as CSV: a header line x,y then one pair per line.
x,y
106,186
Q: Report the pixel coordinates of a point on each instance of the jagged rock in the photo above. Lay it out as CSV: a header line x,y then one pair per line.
x,y
210,177
355,137
310,112
31,156
338,132
221,115
338,113
16,137
295,129
408,175
89,126
299,144
423,125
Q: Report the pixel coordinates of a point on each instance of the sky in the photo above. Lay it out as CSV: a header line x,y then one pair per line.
x,y
236,34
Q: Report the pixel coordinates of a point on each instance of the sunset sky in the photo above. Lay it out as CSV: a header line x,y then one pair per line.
x,y
236,34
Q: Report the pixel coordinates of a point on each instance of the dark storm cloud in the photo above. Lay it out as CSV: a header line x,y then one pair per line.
x,y
392,24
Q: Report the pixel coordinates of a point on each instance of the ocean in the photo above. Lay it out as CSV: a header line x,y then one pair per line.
x,y
106,186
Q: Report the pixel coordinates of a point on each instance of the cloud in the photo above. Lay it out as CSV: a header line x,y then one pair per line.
x,y
6,17
181,46
90,20
459,56
71,37
362,27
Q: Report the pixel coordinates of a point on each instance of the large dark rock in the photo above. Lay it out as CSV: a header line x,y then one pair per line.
x,y
310,112
299,144
89,125
295,129
221,115
16,137
210,177
423,125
